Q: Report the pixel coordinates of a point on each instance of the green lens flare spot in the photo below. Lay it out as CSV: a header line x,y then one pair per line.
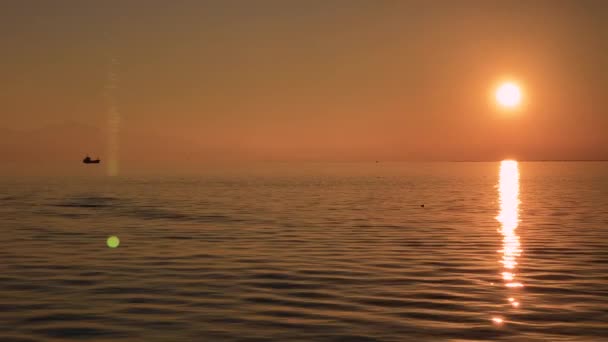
x,y
113,241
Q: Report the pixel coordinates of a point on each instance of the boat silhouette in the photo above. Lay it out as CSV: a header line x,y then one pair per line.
x,y
88,160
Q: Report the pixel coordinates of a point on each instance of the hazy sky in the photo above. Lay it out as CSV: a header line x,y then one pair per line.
x,y
302,80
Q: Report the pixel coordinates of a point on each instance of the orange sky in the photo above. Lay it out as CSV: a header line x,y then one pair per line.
x,y
302,80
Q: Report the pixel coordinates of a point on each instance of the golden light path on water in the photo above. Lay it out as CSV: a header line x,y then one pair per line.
x,y
508,192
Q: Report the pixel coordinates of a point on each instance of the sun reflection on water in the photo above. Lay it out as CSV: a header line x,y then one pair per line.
x,y
508,191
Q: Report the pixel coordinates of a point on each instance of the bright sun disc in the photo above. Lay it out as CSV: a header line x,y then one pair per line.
x,y
508,95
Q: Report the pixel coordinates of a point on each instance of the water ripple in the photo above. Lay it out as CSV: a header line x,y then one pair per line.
x,y
308,257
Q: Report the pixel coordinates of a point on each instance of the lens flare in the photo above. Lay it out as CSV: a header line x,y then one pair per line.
x,y
113,241
113,119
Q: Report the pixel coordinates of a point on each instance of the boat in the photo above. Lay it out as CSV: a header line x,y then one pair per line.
x,y
88,160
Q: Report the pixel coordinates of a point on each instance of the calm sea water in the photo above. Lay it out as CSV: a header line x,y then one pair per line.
x,y
315,252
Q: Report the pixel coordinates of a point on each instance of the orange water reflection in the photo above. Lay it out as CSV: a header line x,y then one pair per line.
x,y
508,192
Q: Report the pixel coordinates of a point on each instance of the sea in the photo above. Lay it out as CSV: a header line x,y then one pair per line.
x,y
479,251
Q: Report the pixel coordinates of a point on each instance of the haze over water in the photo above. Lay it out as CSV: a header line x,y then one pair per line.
x,y
325,252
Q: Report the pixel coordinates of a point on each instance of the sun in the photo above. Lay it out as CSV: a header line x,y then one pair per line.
x,y
508,95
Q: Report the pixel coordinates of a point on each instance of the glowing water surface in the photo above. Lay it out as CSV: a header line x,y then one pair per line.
x,y
508,191
309,252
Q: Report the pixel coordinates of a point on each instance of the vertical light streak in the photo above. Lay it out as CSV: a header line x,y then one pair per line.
x,y
508,192
113,116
